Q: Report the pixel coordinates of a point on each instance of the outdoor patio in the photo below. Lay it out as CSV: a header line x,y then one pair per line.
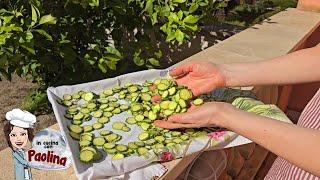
x,y
280,34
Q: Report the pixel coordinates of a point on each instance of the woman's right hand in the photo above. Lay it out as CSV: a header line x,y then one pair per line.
x,y
200,77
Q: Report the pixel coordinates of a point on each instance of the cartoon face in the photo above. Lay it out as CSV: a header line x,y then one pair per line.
x,y
18,137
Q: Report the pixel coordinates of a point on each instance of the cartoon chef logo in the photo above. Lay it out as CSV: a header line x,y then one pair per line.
x,y
46,150
19,134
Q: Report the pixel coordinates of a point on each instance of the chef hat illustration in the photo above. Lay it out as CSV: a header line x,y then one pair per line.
x,y
20,118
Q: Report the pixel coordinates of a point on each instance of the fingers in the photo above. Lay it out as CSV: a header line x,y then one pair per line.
x,y
172,125
196,92
191,108
181,70
187,117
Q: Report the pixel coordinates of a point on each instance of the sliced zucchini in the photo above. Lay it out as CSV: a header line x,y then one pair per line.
x,y
78,116
125,129
124,107
145,97
109,145
84,143
91,106
108,92
98,141
198,102
143,136
107,114
105,132
103,120
162,86
110,151
173,105
117,156
116,111
86,156
87,128
185,94
160,139
121,148
118,125
152,115
67,97
139,117
88,96
172,91
74,135
97,126
144,126
132,145
75,128
131,120
111,137
139,143
142,151
103,106
97,114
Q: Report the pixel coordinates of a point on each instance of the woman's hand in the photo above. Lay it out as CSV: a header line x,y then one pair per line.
x,y
201,77
206,115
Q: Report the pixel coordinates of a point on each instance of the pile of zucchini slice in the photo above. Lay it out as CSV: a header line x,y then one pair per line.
x,y
145,103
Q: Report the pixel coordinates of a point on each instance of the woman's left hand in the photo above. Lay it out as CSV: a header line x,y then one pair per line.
x,y
206,115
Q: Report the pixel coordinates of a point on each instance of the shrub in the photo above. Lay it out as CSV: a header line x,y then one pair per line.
x,y
71,41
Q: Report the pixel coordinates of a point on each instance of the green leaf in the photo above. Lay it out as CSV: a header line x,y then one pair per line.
x,y
164,28
179,1
137,59
111,65
165,11
94,3
3,61
114,51
102,68
28,48
179,35
193,8
154,18
158,54
149,7
5,74
154,61
34,15
29,36
112,57
48,19
171,36
68,54
7,19
192,27
191,19
3,38
44,33
180,15
204,3
173,17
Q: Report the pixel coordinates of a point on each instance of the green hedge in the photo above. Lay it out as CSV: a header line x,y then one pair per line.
x,y
56,42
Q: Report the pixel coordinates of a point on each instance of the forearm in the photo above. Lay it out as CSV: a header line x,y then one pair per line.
x,y
297,67
298,145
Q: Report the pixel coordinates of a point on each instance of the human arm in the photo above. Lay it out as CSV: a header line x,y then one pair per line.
x,y
309,5
297,67
298,145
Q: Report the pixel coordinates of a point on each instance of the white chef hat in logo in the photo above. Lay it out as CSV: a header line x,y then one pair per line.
x,y
20,118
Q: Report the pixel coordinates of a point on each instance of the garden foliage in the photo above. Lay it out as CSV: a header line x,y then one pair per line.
x,y
56,42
